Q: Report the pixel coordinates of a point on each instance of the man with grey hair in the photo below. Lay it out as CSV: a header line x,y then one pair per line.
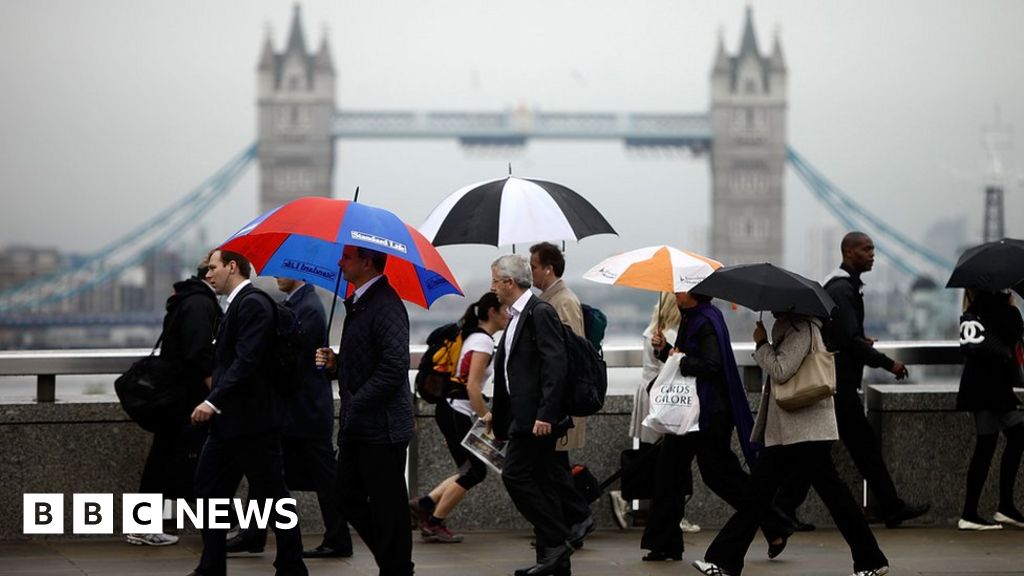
x,y
529,382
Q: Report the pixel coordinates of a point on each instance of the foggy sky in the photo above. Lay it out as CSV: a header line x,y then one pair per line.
x,y
112,109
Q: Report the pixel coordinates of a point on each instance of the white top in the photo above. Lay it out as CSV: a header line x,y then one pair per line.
x,y
477,342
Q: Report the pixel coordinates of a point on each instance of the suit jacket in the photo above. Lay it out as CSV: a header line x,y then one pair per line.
x,y
791,343
312,410
373,369
241,390
536,372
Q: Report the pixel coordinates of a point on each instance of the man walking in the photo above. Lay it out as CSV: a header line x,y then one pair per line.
x,y
529,381
845,335
309,460
244,414
376,418
547,264
186,345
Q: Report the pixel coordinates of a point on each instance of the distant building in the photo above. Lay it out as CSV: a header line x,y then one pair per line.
x,y
20,264
295,112
822,251
748,153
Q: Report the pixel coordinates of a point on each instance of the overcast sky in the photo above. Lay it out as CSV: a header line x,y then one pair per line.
x,y
113,109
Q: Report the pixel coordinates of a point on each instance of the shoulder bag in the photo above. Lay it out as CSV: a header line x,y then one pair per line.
x,y
813,382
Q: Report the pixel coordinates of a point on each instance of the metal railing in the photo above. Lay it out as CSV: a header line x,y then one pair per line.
x,y
47,365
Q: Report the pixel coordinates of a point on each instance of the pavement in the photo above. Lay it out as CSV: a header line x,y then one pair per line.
x,y
911,551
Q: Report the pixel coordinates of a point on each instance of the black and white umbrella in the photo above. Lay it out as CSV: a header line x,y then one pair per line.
x,y
513,211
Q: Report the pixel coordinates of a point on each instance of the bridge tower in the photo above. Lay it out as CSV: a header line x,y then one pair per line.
x,y
295,110
748,152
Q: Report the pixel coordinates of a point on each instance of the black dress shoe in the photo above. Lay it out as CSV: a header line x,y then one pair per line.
x,y
907,512
550,562
776,549
660,555
326,552
579,531
242,544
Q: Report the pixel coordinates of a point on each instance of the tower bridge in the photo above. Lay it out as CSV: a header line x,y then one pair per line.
x,y
743,134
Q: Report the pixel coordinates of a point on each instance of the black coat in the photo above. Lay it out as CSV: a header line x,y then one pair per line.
x,y
242,390
187,345
312,410
844,334
991,371
537,368
373,369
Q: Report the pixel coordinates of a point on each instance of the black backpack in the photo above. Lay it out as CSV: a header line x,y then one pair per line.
x,y
286,358
587,379
594,325
432,385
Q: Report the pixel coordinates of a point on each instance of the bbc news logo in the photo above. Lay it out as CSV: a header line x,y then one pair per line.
x,y
144,513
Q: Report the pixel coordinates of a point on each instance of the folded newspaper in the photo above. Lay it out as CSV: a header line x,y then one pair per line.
x,y
483,445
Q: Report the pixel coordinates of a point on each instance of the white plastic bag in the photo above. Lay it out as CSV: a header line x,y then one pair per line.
x,y
675,408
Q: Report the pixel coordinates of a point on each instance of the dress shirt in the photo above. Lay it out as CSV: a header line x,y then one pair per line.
x,y
362,289
516,310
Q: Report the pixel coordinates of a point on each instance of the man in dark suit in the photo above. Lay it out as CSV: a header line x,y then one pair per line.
x,y
245,414
309,460
529,382
376,417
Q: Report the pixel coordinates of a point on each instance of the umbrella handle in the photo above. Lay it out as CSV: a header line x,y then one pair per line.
x,y
334,303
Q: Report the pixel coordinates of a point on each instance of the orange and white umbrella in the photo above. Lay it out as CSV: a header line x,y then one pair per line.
x,y
656,268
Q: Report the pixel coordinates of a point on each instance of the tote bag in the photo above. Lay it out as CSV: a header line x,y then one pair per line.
x,y
813,382
675,408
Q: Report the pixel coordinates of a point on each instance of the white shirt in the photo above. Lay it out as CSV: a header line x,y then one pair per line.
x,y
477,342
362,289
235,292
516,309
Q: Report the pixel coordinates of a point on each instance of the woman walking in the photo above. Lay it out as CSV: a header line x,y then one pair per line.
x,y
704,339
796,440
454,416
992,368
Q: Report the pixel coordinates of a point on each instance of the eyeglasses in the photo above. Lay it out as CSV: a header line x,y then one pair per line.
x,y
499,280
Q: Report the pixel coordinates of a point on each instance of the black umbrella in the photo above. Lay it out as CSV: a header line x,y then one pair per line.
x,y
512,211
991,267
767,287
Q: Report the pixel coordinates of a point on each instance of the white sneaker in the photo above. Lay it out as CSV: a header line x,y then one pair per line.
x,y
1007,519
688,527
708,569
151,539
880,571
978,526
620,508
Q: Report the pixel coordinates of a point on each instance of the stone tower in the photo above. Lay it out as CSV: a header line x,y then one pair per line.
x,y
295,110
748,152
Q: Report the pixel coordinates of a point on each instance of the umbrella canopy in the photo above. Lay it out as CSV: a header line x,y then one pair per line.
x,y
992,266
656,268
767,287
303,239
512,211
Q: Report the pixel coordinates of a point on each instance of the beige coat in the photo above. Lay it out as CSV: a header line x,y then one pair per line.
x,y
791,337
570,312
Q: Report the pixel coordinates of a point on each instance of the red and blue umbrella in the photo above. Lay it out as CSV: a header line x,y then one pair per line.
x,y
303,239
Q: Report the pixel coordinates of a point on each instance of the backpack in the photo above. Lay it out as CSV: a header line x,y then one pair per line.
x,y
594,324
438,364
587,377
286,358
